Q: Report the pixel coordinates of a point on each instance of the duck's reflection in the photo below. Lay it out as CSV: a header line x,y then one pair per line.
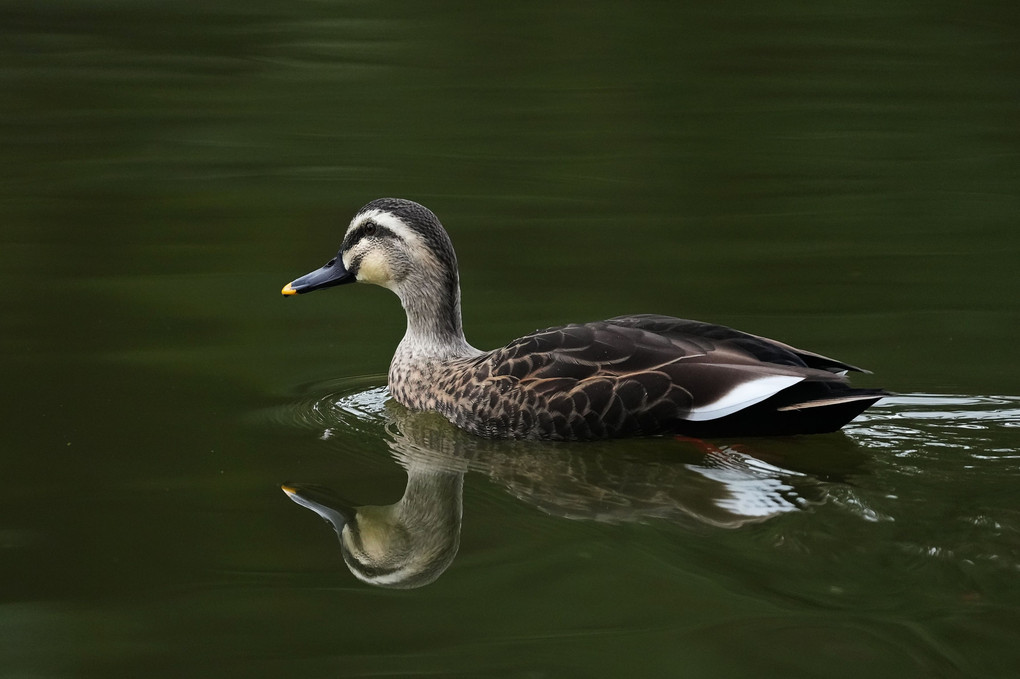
x,y
404,545
412,542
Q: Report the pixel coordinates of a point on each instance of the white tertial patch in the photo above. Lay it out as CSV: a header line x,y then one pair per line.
x,y
742,396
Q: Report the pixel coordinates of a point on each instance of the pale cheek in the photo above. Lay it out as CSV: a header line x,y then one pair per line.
x,y
373,269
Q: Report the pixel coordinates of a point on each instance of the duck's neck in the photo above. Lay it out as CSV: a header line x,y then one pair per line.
x,y
434,328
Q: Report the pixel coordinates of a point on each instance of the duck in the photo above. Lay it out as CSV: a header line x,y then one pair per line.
x,y
633,375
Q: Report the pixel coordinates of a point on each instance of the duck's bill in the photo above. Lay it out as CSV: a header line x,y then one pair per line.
x,y
332,274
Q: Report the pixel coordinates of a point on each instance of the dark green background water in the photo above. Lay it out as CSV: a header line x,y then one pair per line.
x,y
840,176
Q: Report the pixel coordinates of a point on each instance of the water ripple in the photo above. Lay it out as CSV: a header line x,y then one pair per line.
x,y
935,490
907,424
919,424
353,405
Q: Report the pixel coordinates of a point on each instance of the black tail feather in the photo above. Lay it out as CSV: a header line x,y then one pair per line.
x,y
798,410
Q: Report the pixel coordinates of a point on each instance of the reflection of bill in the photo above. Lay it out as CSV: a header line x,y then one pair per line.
x,y
412,542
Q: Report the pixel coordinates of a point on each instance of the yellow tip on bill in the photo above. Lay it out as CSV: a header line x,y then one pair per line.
x,y
288,490
287,290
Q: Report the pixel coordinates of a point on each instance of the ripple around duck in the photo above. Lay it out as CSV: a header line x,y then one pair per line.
x,y
930,454
353,405
906,423
948,463
915,424
921,428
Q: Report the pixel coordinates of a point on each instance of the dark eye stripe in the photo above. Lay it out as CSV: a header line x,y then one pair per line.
x,y
368,229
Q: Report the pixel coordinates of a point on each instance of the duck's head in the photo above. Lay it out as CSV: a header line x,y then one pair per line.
x,y
401,245
391,242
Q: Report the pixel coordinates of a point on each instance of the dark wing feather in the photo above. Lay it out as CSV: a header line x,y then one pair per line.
x,y
629,375
762,348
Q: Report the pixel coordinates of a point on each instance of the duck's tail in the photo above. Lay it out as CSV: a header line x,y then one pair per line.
x,y
806,408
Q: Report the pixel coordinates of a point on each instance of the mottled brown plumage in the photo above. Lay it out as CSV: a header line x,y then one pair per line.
x,y
627,376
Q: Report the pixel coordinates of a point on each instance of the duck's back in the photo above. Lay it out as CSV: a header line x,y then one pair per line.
x,y
640,375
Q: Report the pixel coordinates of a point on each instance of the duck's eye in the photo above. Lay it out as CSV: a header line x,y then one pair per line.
x,y
370,229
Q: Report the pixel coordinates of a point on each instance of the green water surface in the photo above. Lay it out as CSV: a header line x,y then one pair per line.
x,y
843,177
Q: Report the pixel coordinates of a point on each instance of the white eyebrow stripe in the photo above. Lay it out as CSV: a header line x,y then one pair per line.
x,y
388,220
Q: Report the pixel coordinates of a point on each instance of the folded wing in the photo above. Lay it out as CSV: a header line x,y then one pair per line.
x,y
656,374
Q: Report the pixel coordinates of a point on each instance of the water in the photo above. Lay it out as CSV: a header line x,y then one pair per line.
x,y
841,178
